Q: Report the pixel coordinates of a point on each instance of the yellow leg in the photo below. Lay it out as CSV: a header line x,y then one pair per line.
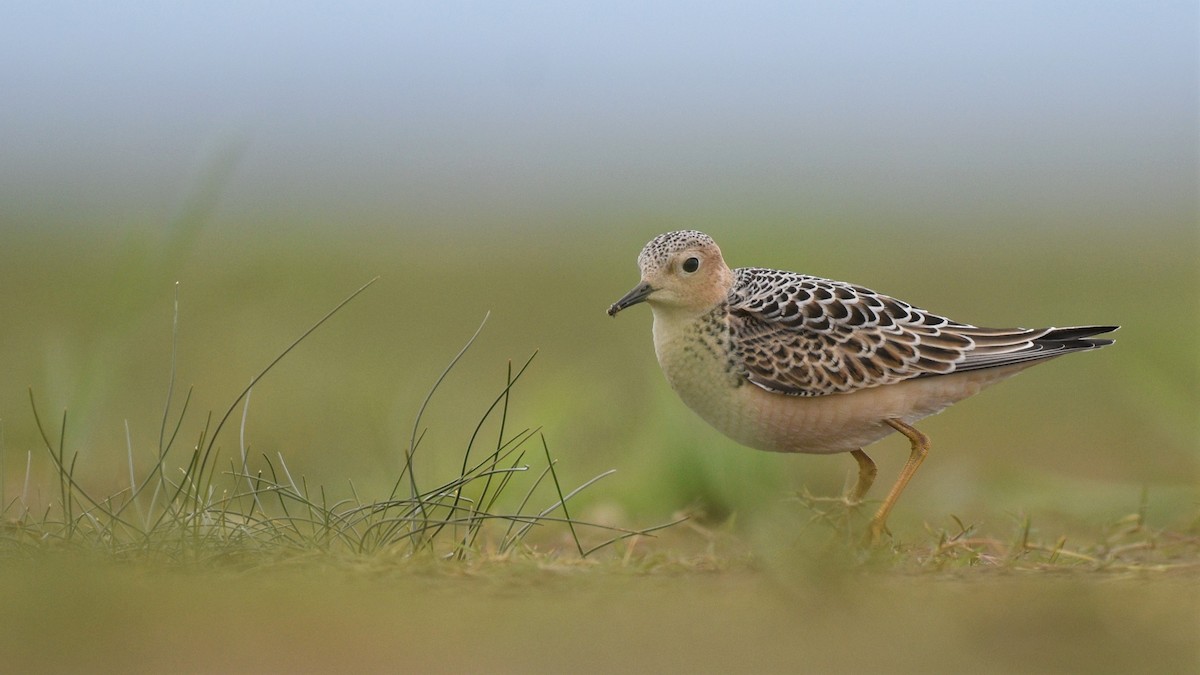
x,y
920,448
866,476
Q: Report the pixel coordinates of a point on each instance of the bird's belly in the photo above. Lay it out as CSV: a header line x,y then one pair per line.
x,y
833,423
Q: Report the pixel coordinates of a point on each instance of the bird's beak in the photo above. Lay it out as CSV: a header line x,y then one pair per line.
x,y
638,294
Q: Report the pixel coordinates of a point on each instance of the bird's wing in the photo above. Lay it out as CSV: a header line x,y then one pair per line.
x,y
807,336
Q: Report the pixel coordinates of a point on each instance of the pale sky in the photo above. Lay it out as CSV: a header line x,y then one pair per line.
x,y
450,109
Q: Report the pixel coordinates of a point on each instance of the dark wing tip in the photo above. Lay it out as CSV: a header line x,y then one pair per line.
x,y
1051,343
1077,337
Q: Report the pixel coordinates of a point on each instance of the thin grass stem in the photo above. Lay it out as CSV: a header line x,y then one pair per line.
x,y
407,469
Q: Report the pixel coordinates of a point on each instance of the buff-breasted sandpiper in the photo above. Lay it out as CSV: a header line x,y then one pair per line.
x,y
787,362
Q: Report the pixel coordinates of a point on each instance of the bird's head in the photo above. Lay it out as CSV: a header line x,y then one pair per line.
x,y
681,271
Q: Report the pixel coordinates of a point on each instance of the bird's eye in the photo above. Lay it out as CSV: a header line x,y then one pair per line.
x,y
691,265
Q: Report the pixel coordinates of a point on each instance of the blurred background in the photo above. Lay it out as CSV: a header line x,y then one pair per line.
x,y
1019,163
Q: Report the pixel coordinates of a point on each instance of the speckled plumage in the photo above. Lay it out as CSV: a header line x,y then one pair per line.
x,y
788,362
807,336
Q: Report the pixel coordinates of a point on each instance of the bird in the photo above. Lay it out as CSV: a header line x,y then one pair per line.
x,y
793,363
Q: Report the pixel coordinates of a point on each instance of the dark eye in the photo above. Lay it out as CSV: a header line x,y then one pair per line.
x,y
691,265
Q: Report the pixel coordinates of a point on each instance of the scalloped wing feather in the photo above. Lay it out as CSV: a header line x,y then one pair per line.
x,y
807,336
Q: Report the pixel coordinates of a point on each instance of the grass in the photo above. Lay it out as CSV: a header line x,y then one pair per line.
x,y
695,600
195,512
541,616
1054,529
1128,545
